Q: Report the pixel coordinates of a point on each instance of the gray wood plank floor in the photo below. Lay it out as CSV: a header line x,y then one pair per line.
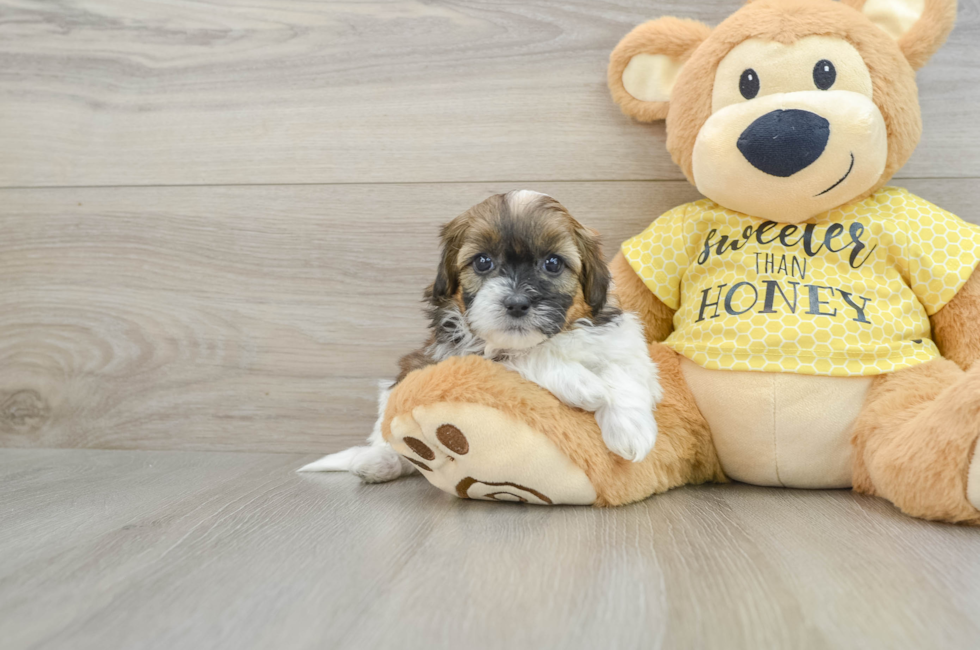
x,y
234,550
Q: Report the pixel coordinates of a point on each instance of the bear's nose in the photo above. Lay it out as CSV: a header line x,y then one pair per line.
x,y
782,143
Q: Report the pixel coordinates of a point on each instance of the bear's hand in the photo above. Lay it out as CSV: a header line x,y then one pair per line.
x,y
634,296
955,326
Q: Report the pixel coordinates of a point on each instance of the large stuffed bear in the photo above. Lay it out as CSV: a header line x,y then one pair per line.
x,y
813,327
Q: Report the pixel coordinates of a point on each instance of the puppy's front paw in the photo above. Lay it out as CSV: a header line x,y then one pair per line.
x,y
630,433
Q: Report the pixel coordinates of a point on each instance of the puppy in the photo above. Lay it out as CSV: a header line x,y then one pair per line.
x,y
523,283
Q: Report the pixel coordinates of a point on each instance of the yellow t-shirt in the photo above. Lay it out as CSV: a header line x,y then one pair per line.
x,y
847,293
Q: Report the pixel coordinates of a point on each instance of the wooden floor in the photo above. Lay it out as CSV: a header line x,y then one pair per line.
x,y
216,221
170,550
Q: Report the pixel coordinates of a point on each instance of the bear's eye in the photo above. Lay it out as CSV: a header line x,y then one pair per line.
x,y
824,74
748,85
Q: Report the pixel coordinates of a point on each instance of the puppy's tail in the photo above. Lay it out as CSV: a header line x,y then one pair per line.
x,y
342,461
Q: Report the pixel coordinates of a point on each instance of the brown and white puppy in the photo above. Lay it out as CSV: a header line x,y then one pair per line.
x,y
523,283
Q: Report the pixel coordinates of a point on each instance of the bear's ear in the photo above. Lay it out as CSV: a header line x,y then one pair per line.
x,y
919,26
645,65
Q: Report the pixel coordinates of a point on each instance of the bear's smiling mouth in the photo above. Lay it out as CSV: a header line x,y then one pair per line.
x,y
849,170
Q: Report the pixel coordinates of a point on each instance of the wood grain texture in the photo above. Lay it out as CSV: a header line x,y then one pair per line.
x,y
241,318
146,550
96,92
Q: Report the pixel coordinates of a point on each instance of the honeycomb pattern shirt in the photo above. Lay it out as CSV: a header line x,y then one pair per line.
x,y
846,293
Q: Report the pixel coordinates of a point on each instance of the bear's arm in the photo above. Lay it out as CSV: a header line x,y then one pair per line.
x,y
956,327
634,296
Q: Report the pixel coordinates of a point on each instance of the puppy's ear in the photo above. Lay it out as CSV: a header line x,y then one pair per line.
x,y
447,277
594,276
645,65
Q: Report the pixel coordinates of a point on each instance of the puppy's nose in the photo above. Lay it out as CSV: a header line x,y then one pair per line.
x,y
782,143
517,305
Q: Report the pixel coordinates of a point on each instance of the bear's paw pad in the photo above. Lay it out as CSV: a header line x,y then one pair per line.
x,y
478,452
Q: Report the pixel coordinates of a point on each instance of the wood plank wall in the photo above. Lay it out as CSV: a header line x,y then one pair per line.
x,y
216,219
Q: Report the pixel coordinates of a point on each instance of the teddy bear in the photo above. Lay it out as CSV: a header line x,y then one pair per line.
x,y
813,326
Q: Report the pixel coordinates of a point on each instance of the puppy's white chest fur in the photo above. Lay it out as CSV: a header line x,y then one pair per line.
x,y
601,368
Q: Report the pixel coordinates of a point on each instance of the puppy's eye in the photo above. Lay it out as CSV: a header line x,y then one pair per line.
x,y
748,84
824,74
482,264
553,264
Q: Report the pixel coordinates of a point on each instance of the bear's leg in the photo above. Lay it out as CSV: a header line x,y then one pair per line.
x,y
478,430
915,439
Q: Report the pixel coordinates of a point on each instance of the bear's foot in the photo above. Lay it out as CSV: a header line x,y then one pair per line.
x,y
478,452
914,441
